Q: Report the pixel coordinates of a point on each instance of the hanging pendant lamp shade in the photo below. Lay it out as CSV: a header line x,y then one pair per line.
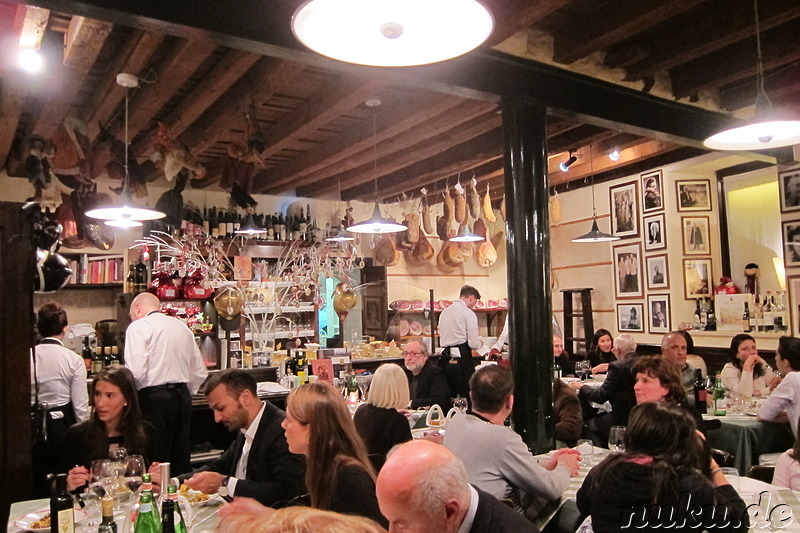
x,y
249,227
125,213
377,224
392,33
466,235
595,235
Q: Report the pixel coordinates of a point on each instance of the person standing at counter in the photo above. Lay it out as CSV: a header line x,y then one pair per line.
x,y
168,368
458,334
61,376
426,382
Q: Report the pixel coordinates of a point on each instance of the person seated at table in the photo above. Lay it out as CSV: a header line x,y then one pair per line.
x,y
567,416
694,360
658,380
297,520
427,384
497,460
561,357
746,373
378,421
115,421
674,349
783,405
616,389
665,462
600,352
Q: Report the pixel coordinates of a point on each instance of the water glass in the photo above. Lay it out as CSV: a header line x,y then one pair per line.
x,y
732,475
616,439
586,449
460,404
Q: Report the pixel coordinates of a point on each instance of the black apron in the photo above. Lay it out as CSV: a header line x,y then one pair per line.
x,y
458,370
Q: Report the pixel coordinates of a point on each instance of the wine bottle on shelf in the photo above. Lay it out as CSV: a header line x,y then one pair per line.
x,y
62,517
213,223
781,320
114,355
758,315
107,525
229,222
769,316
206,224
711,317
697,313
87,355
746,318
222,228
140,276
700,392
97,360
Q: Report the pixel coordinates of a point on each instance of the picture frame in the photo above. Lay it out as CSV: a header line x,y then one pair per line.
x,y
697,278
628,270
657,268
650,184
789,185
791,243
630,317
654,232
624,202
323,369
659,313
693,195
793,292
373,315
696,235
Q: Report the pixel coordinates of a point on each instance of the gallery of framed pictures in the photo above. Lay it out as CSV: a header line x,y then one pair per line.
x,y
624,202
630,317
696,278
628,270
659,309
789,185
693,195
652,191
657,268
791,243
655,232
696,235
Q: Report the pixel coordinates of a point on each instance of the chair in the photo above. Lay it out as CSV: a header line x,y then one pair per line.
x,y
762,473
722,458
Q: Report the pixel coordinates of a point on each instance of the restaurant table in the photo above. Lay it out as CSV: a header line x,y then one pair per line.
x,y
747,438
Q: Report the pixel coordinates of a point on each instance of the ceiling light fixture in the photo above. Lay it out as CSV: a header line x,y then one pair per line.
x,y
765,130
392,33
126,212
614,155
376,223
594,235
564,165
249,227
340,236
30,60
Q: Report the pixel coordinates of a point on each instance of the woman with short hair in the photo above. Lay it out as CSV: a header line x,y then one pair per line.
x,y
378,421
658,380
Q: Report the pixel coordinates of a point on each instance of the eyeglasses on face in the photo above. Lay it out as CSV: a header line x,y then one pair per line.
x,y
415,354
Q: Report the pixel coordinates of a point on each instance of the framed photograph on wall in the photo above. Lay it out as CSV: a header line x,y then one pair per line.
x,y
696,236
791,243
630,317
655,232
793,291
659,311
693,195
627,270
657,272
789,184
652,191
373,315
696,278
624,202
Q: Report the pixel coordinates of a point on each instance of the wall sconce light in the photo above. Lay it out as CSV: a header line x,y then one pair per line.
x,y
564,166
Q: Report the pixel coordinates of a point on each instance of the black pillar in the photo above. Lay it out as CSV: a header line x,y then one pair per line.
x,y
528,265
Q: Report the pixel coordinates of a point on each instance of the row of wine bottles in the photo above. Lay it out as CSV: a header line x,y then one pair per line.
x,y
220,223
769,315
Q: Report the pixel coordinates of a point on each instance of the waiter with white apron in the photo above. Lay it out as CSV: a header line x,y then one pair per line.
x,y
458,334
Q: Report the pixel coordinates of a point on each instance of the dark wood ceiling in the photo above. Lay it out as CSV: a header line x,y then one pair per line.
x,y
320,134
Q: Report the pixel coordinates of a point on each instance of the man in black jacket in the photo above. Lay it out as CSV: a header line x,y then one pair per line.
x,y
427,384
423,487
617,389
258,464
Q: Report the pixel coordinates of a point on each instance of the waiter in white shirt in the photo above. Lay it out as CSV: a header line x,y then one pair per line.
x,y
168,368
458,334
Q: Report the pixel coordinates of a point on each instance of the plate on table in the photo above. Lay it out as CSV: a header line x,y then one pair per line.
x,y
40,520
195,497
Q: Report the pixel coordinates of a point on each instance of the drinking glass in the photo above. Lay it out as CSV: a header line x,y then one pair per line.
x,y
586,449
732,475
616,439
460,404
134,469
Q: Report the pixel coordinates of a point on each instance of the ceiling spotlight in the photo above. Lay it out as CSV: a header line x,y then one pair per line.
x,y
30,60
614,155
564,166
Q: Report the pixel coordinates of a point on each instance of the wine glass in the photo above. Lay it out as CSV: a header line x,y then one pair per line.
x,y
101,475
134,469
460,404
363,382
616,439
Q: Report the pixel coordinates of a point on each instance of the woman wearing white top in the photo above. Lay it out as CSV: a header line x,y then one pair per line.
x,y
747,373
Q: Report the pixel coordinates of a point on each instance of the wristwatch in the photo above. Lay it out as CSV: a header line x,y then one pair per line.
x,y
223,491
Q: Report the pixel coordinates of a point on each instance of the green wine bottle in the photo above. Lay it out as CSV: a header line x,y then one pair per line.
x,y
148,519
180,523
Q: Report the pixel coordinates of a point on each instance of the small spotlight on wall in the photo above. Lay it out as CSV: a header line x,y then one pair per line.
x,y
564,166
30,60
614,155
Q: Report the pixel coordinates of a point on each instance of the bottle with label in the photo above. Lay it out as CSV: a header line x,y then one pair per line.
x,y
700,392
108,525
769,316
97,360
114,355
746,318
711,316
720,403
758,313
62,517
300,359
179,521
696,324
556,370
87,355
148,509
140,276
168,516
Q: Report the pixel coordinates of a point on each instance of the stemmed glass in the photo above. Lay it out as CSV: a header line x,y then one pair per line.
x,y
101,476
363,383
134,469
117,461
460,404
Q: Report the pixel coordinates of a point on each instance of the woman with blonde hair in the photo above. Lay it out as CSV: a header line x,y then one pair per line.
x,y
378,421
298,520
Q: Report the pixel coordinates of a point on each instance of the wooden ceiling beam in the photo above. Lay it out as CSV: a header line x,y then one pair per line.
x,y
512,16
778,85
132,58
482,172
397,115
84,41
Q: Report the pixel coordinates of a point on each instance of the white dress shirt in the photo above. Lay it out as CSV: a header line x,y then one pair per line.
x,y
458,324
161,349
62,378
785,397
502,340
469,518
249,435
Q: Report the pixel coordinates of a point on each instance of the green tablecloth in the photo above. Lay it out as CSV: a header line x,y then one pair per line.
x,y
747,438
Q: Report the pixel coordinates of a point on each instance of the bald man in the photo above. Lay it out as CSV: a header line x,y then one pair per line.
x,y
168,368
423,487
674,348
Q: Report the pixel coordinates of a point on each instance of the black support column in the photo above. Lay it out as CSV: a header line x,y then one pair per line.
x,y
528,265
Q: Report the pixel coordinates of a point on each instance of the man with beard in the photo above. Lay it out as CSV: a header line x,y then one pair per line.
x,y
258,464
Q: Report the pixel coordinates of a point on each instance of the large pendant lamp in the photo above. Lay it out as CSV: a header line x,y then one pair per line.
x,y
765,130
392,33
125,213
376,223
594,234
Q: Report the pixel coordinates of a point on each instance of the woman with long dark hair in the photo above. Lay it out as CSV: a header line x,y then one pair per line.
x,y
600,354
665,462
115,421
746,372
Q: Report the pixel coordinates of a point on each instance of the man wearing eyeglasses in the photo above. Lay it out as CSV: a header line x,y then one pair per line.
x,y
426,382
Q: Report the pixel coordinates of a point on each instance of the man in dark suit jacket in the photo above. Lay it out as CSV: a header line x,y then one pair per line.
x,y
427,384
617,389
258,464
417,469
